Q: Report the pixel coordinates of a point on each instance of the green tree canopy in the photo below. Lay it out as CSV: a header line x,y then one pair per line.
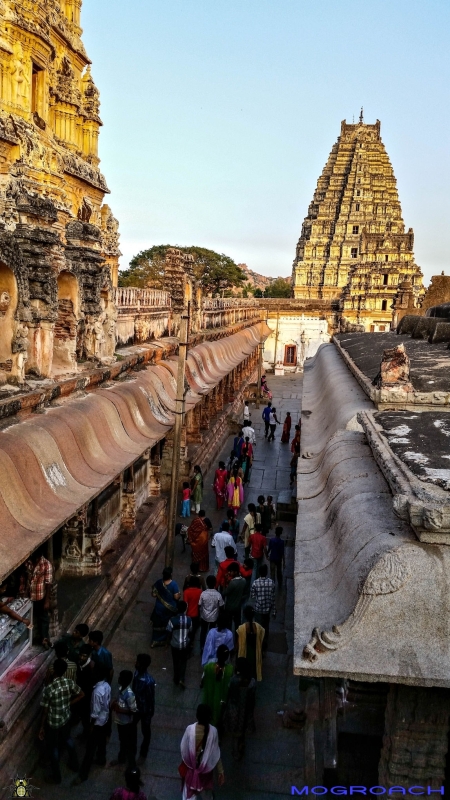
x,y
215,272
278,288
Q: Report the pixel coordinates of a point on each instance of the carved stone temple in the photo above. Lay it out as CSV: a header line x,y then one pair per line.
x,y
353,251
58,240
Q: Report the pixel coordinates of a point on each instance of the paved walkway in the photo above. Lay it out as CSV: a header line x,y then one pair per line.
x,y
273,754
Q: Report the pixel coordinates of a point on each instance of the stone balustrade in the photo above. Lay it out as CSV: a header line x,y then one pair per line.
x,y
220,312
127,297
145,314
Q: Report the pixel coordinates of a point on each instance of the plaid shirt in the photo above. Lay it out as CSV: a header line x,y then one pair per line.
x,y
180,628
263,593
42,575
56,698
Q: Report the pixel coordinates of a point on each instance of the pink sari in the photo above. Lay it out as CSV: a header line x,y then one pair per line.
x,y
198,776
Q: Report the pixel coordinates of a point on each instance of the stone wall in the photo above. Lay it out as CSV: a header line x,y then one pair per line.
x,y
415,738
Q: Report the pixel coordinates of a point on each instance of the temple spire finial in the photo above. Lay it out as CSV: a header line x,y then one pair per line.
x,y
361,116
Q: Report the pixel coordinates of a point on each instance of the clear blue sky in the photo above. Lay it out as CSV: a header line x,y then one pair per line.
x,y
219,116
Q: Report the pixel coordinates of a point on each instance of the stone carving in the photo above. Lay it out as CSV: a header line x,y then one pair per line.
x,y
5,302
394,369
78,167
388,575
20,80
110,232
85,211
91,97
66,88
49,162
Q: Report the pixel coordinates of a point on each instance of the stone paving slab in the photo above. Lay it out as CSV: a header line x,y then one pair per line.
x,y
273,760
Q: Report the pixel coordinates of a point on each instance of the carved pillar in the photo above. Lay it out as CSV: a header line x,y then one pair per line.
x,y
128,513
219,397
415,737
204,413
213,403
166,460
154,472
81,544
193,424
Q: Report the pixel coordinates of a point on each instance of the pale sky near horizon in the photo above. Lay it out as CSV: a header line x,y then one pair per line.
x,y
219,116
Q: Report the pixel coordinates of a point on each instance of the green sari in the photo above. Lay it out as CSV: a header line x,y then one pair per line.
x,y
215,689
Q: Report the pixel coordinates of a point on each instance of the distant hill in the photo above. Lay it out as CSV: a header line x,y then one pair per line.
x,y
257,280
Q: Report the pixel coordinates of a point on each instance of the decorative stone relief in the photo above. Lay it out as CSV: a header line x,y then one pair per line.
x,y
388,575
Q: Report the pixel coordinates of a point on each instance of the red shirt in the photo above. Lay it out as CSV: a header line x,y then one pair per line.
x,y
191,596
221,577
186,494
257,544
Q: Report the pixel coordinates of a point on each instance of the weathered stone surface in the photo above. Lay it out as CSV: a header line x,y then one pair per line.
x,y
394,369
369,597
58,243
429,373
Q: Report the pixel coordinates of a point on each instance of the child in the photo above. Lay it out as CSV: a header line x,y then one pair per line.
x,y
192,596
125,708
272,509
186,504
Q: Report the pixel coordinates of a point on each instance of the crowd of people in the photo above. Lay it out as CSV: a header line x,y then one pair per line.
x,y
227,606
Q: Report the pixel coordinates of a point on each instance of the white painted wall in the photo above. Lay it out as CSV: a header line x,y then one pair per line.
x,y
307,333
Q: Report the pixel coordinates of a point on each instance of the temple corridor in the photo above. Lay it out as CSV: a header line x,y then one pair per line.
x,y
273,759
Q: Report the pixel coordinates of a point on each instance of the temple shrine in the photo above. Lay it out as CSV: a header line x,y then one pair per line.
x,y
353,251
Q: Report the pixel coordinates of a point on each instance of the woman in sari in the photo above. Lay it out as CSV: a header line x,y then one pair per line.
x,y
199,540
250,637
200,755
295,444
235,490
220,484
240,706
286,435
247,459
196,488
167,593
216,680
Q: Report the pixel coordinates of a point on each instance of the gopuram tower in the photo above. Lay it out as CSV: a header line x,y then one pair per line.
x,y
59,244
353,248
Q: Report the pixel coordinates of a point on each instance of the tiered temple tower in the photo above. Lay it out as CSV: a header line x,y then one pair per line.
x,y
353,247
58,241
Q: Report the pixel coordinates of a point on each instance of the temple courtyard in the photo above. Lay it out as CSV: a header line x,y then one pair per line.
x,y
274,754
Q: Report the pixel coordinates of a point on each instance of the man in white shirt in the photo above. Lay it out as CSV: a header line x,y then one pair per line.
x,y
209,605
246,411
96,743
247,430
220,541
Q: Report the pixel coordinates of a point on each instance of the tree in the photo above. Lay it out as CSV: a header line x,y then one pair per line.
x,y
215,272
258,293
278,288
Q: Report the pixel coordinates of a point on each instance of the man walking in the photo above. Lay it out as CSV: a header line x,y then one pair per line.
x,y
263,595
266,416
178,632
258,545
247,430
96,742
275,552
273,422
57,699
209,605
144,690
220,541
233,595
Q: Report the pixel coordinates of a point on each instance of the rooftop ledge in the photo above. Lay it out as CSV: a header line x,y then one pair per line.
x,y
372,561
